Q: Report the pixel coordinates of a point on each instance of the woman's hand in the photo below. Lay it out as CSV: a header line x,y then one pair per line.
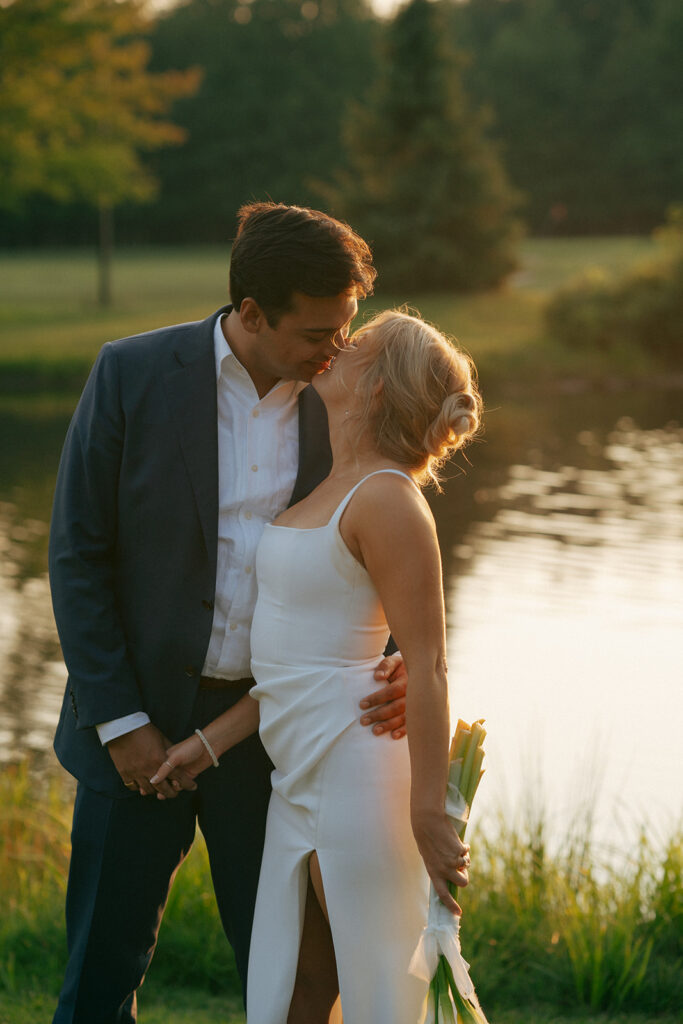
x,y
191,755
445,856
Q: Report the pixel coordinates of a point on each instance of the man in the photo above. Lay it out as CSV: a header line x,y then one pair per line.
x,y
185,442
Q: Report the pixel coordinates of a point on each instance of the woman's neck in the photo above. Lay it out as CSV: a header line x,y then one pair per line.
x,y
354,455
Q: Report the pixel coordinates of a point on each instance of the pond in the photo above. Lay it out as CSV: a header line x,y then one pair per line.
x,y
562,544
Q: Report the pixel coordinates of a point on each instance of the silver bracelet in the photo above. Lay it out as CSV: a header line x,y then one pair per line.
x,y
208,746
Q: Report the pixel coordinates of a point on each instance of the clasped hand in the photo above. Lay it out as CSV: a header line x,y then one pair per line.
x,y
445,856
137,756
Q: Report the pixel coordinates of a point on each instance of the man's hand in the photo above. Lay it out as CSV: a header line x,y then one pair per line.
x,y
388,704
138,754
191,756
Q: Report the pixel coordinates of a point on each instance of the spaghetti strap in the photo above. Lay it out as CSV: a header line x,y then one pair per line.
x,y
339,511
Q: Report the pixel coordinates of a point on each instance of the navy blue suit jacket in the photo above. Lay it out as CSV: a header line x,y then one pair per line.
x,y
134,536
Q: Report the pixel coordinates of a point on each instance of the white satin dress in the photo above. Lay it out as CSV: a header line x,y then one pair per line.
x,y
318,633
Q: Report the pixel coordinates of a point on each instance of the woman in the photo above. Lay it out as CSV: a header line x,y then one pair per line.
x,y
363,820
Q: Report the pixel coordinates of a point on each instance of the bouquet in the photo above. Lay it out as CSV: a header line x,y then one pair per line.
x,y
437,959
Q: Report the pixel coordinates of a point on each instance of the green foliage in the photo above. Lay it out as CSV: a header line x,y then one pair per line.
x,y
425,186
643,307
582,100
192,950
34,857
562,920
588,107
77,103
583,926
266,121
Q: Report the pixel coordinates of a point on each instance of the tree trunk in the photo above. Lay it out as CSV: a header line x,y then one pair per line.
x,y
105,246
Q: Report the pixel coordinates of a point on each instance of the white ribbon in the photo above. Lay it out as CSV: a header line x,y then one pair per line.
x,y
456,808
441,936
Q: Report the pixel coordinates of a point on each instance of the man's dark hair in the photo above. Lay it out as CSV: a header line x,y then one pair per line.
x,y
284,249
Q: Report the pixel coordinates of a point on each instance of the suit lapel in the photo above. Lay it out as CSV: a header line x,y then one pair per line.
x,y
190,384
315,455
191,390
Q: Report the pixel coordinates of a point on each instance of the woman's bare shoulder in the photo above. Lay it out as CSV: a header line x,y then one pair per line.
x,y
390,502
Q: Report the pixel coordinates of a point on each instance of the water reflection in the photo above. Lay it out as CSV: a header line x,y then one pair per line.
x,y
563,550
565,612
32,674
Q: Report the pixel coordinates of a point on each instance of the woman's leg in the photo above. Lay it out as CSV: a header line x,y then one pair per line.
x,y
316,987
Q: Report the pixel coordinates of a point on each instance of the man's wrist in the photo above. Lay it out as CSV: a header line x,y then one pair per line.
x,y
108,731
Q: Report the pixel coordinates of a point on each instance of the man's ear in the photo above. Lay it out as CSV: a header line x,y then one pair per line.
x,y
251,316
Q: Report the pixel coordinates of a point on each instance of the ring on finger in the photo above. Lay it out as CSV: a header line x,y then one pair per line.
x,y
131,785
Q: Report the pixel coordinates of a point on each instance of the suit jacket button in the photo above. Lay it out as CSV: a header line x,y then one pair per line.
x,y
189,670
208,605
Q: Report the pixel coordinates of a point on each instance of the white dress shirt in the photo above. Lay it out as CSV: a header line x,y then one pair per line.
x,y
258,457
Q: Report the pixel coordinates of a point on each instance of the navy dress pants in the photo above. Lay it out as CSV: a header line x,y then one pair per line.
x,y
124,856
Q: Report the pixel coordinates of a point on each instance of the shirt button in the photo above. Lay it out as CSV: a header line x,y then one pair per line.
x,y
233,626
247,515
256,414
247,569
208,605
189,670
254,468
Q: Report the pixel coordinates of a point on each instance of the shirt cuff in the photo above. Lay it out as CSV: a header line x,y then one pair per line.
x,y
120,726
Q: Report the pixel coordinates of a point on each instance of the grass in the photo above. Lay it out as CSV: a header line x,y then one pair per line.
x,y
174,1006
51,328
179,1007
567,932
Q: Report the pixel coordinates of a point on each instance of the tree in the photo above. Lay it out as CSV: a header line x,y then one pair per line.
x,y
530,70
426,187
587,104
78,106
641,115
266,121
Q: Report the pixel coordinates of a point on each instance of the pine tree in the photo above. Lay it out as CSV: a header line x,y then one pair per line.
x,y
426,186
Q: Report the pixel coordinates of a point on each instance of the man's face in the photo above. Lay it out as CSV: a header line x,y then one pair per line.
x,y
306,338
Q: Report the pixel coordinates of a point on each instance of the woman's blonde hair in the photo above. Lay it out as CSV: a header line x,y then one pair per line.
x,y
418,394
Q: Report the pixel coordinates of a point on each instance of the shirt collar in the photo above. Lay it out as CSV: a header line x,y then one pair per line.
x,y
221,348
227,362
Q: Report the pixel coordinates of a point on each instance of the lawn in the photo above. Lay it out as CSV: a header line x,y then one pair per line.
x,y
195,1007
51,327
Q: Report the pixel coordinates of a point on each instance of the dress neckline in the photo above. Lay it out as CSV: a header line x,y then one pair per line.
x,y
336,515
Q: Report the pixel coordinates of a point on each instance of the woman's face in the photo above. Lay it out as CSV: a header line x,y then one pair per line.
x,y
337,386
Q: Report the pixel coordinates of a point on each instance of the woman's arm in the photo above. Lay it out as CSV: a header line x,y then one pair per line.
x,y
390,528
224,732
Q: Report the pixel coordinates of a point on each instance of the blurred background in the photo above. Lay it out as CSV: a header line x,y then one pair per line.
x,y
517,166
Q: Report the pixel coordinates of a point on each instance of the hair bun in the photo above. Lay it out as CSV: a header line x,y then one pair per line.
x,y
455,422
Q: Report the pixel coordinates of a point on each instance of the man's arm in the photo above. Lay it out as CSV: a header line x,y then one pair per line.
x,y
82,551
